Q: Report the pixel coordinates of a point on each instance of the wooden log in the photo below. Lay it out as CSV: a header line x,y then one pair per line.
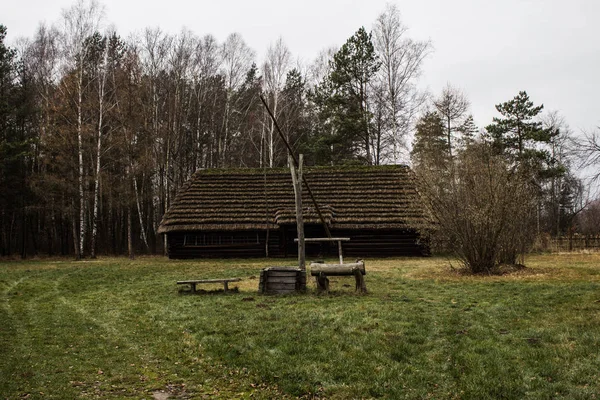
x,y
337,269
335,239
296,180
361,286
322,283
261,283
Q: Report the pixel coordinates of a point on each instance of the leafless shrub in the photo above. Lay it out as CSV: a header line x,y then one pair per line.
x,y
483,206
588,221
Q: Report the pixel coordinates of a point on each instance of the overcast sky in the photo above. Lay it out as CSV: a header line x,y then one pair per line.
x,y
490,49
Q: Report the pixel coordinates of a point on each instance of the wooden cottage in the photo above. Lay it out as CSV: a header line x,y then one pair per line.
x,y
250,213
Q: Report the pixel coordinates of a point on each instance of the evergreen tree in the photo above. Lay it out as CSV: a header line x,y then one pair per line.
x,y
8,148
342,101
518,133
17,113
521,137
293,119
7,77
430,147
467,131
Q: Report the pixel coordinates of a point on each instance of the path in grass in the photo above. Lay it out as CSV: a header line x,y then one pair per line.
x,y
119,329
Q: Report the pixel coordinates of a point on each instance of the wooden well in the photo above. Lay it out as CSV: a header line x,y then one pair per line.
x,y
282,280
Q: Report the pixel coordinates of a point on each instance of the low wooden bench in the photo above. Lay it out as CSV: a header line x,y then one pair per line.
x,y
194,282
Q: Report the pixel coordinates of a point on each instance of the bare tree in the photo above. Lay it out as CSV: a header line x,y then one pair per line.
x,y
154,55
588,220
321,66
452,106
401,64
102,74
560,180
181,69
80,21
206,68
275,68
236,59
587,150
41,58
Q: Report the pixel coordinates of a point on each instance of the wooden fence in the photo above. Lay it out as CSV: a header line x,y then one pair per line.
x,y
574,243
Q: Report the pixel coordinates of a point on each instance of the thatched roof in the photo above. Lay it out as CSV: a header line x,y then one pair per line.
x,y
349,197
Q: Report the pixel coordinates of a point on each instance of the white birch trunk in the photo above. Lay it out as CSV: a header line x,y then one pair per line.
x,y
80,159
101,88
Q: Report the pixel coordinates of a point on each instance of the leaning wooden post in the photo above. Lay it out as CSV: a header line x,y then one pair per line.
x,y
297,182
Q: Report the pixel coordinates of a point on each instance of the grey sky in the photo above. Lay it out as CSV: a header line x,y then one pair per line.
x,y
489,49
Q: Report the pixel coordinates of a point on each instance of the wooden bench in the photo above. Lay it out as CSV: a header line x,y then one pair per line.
x,y
194,282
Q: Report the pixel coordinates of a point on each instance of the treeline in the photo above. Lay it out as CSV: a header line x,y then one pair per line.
x,y
537,145
98,132
498,193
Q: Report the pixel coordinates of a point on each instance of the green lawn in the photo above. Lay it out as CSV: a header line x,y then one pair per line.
x,y
114,328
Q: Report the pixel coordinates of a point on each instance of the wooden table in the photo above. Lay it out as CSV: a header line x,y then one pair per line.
x,y
339,241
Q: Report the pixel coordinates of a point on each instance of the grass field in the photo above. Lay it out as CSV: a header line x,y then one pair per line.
x,y
114,328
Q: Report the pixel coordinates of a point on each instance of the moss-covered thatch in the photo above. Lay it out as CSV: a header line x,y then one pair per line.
x,y
383,197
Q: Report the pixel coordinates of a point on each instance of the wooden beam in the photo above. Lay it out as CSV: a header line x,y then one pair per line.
x,y
333,239
296,181
291,153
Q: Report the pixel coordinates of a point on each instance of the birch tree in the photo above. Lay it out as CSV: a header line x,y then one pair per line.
x,y
206,68
401,65
275,68
236,59
154,55
80,21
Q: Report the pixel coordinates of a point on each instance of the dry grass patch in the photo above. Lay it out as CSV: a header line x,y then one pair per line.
x,y
551,267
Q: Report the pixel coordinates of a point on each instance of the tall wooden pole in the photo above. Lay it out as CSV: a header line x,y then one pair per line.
x,y
291,153
297,182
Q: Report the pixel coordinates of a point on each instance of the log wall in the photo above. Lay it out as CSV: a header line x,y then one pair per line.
x,y
251,244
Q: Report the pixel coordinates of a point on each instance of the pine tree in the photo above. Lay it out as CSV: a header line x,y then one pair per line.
x,y
342,100
294,121
430,147
8,147
518,132
17,119
467,131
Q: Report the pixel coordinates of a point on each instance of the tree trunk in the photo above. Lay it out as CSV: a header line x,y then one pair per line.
x,y
129,235
97,177
23,233
74,228
80,158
